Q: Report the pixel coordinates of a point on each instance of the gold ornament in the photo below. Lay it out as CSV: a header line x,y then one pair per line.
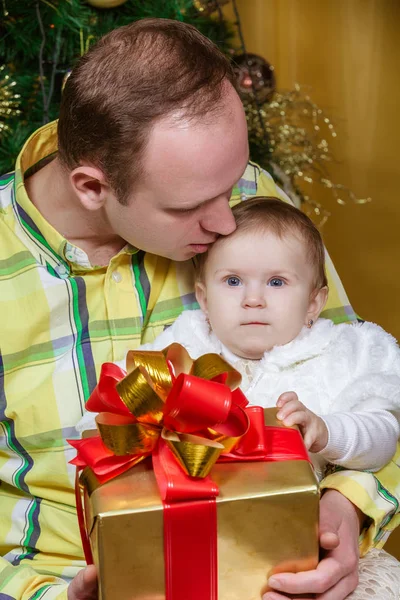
x,y
207,7
105,3
255,77
9,101
298,131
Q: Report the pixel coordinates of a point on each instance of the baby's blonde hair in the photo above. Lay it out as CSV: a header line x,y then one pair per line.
x,y
264,213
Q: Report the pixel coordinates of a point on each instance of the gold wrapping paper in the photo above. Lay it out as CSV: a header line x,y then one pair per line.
x,y
267,517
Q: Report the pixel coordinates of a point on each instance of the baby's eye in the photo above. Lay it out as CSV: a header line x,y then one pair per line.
x,y
276,282
233,281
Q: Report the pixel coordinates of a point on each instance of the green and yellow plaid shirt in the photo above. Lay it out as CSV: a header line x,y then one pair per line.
x,y
60,320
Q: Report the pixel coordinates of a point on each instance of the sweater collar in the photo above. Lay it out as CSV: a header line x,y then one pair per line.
x,y
309,343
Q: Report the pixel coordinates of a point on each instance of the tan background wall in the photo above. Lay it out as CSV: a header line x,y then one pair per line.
x,y
348,51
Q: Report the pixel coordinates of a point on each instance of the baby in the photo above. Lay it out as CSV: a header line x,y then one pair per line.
x,y
261,290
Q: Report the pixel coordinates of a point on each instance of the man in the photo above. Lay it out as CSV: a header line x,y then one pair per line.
x,y
96,242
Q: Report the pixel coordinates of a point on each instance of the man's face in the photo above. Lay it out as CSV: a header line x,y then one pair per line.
x,y
257,291
181,204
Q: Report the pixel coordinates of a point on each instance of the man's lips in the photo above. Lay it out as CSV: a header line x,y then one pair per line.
x,y
204,243
198,248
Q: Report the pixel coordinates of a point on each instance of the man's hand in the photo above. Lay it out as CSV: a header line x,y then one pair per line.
x,y
313,428
336,576
84,585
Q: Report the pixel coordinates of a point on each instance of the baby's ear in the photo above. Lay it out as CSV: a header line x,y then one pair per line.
x,y
201,295
318,300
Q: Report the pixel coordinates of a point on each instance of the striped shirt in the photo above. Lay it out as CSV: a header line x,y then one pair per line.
x,y
60,319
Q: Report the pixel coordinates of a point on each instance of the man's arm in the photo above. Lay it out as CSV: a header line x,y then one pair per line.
x,y
376,495
23,583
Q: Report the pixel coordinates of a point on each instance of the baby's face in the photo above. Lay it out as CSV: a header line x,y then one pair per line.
x,y
256,291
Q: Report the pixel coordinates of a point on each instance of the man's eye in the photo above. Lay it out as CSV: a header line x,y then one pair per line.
x,y
233,281
276,282
182,211
188,210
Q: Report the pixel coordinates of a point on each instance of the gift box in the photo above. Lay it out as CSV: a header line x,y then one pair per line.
x,y
259,515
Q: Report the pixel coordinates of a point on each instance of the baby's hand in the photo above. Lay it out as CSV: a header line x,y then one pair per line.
x,y
293,412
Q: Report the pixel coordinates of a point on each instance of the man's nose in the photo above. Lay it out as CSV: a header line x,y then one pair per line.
x,y
218,217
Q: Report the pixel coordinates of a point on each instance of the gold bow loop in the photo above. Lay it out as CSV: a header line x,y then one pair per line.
x,y
187,402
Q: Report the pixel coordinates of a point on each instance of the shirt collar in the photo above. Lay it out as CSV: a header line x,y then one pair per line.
x,y
41,237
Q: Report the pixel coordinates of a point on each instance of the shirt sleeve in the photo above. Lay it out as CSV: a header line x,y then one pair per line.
x,y
377,495
361,440
24,583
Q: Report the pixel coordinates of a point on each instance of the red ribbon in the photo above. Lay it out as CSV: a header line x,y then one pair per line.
x,y
190,516
193,404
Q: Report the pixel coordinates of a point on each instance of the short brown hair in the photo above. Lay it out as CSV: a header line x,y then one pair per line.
x,y
133,76
263,213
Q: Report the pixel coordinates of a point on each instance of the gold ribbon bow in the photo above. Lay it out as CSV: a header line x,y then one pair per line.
x,y
188,402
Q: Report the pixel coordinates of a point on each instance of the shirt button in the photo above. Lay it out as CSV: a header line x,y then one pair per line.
x,y
117,276
61,271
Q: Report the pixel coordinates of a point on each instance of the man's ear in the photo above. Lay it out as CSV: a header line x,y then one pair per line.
x,y
318,300
201,296
90,185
